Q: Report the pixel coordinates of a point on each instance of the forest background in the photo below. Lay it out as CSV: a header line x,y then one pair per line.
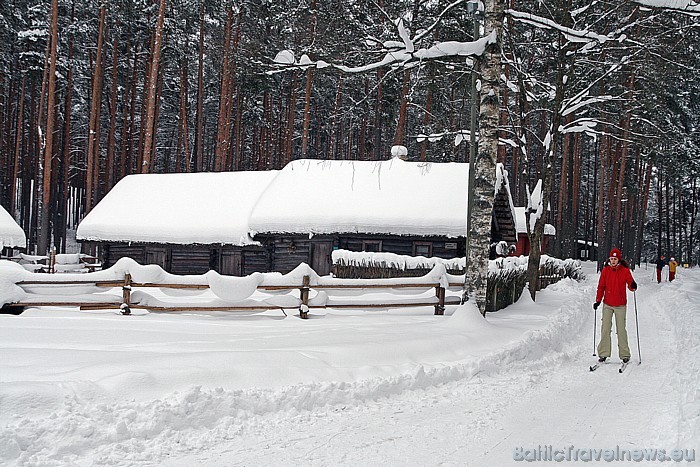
x,y
601,100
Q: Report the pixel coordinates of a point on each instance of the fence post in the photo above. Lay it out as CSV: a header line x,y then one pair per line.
x,y
304,307
125,307
52,260
440,294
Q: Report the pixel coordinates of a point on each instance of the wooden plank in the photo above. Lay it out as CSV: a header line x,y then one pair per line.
x,y
375,305
171,286
115,283
96,305
205,308
377,286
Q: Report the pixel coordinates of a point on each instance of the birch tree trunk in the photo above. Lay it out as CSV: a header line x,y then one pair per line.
x,y
485,163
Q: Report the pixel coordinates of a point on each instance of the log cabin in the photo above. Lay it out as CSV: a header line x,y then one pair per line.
x,y
409,208
238,223
185,223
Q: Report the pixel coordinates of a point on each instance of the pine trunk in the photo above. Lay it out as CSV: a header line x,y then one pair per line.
x,y
111,140
96,105
291,118
18,149
199,144
44,234
550,149
307,114
149,125
66,153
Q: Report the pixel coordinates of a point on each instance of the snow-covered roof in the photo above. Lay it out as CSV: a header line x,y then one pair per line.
x,y
11,234
188,208
381,197
521,227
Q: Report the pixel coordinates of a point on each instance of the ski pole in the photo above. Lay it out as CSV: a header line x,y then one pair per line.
x,y
636,320
595,318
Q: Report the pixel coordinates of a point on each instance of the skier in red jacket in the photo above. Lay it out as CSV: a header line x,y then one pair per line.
x,y
615,278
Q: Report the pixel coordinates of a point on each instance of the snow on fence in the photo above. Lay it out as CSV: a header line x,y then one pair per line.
x,y
57,262
150,287
506,280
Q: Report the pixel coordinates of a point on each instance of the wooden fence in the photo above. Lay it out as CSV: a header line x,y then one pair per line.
x,y
56,262
126,304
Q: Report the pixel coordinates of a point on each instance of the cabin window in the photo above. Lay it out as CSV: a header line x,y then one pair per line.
x,y
423,249
374,246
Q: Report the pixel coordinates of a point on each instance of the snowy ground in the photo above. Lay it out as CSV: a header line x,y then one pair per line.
x,y
349,388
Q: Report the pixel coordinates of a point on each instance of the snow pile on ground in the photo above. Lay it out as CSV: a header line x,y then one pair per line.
x,y
218,389
681,300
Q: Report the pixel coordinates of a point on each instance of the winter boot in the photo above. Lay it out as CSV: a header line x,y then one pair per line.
x,y
625,359
602,359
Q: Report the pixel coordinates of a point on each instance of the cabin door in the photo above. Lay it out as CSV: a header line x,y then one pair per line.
x,y
231,263
157,256
321,257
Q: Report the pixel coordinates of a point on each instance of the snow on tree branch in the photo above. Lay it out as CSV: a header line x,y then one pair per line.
x,y
402,55
573,35
688,7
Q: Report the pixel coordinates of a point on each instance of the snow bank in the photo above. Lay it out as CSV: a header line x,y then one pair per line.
x,y
108,390
10,274
76,424
685,297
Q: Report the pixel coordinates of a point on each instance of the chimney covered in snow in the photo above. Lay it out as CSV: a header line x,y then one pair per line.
x,y
399,151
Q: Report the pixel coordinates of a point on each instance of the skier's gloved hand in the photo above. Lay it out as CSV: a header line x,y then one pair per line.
x,y
633,286
596,305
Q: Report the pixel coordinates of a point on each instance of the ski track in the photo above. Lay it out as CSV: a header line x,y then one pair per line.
x,y
443,415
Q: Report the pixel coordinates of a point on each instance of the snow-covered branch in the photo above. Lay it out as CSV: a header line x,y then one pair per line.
x,y
402,56
573,35
688,7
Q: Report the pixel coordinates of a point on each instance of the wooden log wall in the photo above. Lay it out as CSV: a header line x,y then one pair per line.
x,y
193,259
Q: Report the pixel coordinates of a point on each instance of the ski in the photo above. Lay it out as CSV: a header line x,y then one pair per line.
x,y
594,367
623,366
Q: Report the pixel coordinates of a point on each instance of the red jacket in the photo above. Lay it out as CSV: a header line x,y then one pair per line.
x,y
612,284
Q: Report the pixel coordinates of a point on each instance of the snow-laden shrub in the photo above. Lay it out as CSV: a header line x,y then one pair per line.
x,y
368,265
506,279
